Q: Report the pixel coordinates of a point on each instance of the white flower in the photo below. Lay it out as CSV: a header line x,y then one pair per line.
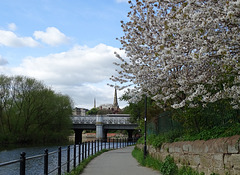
x,y
179,54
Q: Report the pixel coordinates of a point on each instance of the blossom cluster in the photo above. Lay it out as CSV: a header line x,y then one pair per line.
x,y
181,52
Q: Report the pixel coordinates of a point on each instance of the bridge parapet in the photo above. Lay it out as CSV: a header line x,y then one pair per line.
x,y
84,119
106,119
102,123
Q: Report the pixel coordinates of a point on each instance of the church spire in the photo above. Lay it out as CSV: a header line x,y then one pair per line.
x,y
115,101
94,102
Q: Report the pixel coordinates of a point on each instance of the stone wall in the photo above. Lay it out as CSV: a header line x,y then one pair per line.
x,y
217,155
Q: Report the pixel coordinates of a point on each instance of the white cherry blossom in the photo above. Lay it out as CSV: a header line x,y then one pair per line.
x,y
180,50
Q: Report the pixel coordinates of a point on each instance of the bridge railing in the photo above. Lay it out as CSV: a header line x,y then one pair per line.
x,y
84,119
74,155
106,119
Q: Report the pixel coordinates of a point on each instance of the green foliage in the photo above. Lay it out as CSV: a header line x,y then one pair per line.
x,y
79,169
227,130
138,154
137,110
31,112
156,140
93,111
105,111
168,166
195,120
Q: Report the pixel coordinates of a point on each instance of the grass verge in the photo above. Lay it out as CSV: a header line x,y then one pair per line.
x,y
79,169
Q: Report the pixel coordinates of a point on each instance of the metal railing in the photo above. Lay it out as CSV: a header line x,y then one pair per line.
x,y
106,119
85,150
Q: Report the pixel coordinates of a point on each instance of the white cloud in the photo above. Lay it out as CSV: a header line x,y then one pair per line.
x,y
83,96
79,65
10,39
82,73
12,27
52,36
3,61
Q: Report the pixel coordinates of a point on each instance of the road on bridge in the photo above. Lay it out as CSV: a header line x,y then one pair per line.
x,y
117,162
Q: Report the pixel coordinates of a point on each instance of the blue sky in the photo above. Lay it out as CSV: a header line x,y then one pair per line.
x,y
69,45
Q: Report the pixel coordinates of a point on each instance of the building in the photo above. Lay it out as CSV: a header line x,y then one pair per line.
x,y
112,108
104,108
80,111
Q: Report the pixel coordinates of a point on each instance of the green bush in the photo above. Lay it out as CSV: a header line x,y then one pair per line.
x,y
168,167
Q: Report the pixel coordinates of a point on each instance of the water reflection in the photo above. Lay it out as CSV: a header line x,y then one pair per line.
x,y
33,166
36,166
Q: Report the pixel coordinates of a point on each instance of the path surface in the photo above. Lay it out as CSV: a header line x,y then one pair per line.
x,y
117,162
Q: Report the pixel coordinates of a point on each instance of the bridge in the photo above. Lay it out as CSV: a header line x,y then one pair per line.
x,y
102,124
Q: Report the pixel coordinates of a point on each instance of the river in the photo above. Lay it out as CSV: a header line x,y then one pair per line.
x,y
36,166
33,166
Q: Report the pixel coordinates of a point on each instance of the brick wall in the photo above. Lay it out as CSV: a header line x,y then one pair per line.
x,y
216,155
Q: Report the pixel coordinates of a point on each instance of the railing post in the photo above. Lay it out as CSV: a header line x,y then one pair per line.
x,y
74,156
68,158
117,143
79,153
120,142
113,143
101,144
85,146
105,144
95,148
92,148
109,143
59,160
98,145
88,148
83,151
46,162
22,163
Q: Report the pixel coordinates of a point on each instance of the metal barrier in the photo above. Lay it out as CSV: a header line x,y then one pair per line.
x,y
85,150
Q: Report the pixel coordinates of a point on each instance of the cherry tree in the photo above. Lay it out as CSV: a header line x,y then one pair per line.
x,y
182,52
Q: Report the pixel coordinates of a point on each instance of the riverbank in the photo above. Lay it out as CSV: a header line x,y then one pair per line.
x,y
88,137
6,147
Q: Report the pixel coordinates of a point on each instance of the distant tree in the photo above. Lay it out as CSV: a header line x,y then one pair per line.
x,y
31,112
93,111
137,109
105,111
182,52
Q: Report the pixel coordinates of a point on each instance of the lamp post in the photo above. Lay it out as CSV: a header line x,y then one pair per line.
x,y
145,129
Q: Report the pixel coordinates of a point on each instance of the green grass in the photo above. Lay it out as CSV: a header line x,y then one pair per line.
x,y
79,169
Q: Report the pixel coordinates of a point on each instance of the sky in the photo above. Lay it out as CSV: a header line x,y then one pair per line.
x,y
68,45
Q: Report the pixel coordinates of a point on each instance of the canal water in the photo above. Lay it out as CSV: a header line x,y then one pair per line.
x,y
33,166
36,166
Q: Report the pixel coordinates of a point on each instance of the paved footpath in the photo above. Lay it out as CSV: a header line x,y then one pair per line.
x,y
117,162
